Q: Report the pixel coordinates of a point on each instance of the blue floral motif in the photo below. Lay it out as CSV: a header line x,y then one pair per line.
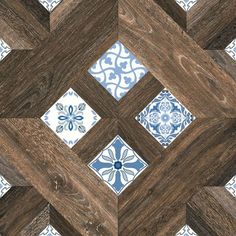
x,y
165,118
70,118
186,4
4,49
118,165
4,186
186,231
49,231
50,5
231,49
231,186
118,70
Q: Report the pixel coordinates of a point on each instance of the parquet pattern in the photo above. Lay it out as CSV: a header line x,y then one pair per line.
x,y
136,165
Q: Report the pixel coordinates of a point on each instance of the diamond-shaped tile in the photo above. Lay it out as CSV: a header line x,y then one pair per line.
x,y
186,4
231,186
165,118
118,70
4,49
49,231
50,5
186,231
118,165
231,49
4,186
70,117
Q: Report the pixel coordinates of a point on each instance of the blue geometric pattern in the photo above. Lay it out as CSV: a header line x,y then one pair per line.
x,y
118,70
231,186
165,118
186,4
118,165
50,5
49,231
4,186
231,49
4,49
70,117
186,231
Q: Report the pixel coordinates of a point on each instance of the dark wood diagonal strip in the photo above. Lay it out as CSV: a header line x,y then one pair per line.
x,y
95,140
38,82
139,96
69,185
208,18
18,19
61,224
225,61
212,212
178,63
204,155
18,208
175,11
10,172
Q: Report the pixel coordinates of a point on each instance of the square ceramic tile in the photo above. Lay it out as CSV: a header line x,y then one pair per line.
x,y
118,70
165,118
49,231
50,5
231,49
4,49
186,4
4,186
231,186
70,118
186,231
118,165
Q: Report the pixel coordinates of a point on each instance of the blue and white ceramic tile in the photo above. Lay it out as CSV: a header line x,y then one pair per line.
x,y
4,186
118,70
49,231
231,49
4,49
186,231
186,4
50,5
118,165
70,118
165,118
231,186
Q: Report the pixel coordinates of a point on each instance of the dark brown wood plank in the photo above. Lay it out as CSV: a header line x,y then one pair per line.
x,y
208,18
178,63
70,186
212,212
203,155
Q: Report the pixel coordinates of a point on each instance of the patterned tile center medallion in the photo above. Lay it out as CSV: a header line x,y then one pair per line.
x,y
231,186
4,49
186,231
231,49
186,4
49,231
118,165
118,70
50,5
4,186
165,118
70,117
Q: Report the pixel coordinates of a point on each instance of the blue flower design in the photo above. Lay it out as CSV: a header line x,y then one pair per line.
x,y
49,231
186,231
165,118
118,70
186,4
118,165
4,186
231,49
50,5
4,49
231,186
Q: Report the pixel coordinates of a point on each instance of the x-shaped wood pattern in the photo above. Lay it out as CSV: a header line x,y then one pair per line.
x,y
52,53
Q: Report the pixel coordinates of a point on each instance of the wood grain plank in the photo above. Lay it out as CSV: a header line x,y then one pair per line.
x,y
68,187
212,212
203,155
178,63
